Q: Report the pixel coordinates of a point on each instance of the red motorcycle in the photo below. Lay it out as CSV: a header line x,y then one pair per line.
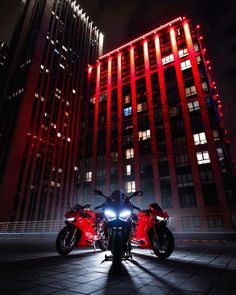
x,y
83,228
151,231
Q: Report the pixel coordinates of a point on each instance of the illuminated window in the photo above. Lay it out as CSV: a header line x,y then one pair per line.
x,y
143,135
127,111
204,86
185,65
130,186
199,138
203,158
198,59
167,59
103,96
189,91
92,99
88,176
220,154
141,107
216,135
195,46
126,99
128,170
183,52
193,106
129,153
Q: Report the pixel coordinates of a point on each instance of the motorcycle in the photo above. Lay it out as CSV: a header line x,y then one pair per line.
x,y
117,213
83,228
151,231
147,229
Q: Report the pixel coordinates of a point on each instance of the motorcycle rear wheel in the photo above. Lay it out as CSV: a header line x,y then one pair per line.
x,y
64,242
163,243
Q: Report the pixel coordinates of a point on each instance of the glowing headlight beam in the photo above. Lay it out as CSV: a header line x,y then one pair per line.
x,y
124,214
110,214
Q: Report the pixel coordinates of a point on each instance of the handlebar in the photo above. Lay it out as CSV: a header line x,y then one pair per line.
x,y
137,208
98,207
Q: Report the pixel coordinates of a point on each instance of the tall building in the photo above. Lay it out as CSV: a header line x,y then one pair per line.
x,y
153,122
53,43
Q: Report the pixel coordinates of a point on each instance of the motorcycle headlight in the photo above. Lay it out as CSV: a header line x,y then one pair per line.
x,y
110,214
70,219
124,214
159,218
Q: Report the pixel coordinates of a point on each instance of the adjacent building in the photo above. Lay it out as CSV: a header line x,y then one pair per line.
x,y
152,121
40,109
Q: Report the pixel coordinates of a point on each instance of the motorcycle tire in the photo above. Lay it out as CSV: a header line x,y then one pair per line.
x,y
102,245
163,243
116,248
64,245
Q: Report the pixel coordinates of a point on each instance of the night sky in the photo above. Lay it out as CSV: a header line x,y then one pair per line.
x,y
123,20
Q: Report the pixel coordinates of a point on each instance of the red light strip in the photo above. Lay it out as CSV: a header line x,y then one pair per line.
x,y
108,129
119,109
156,176
142,37
135,121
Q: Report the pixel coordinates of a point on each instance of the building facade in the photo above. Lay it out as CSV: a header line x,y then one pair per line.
x,y
153,122
53,43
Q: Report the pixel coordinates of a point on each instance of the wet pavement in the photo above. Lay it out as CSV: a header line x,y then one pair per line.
x,y
31,267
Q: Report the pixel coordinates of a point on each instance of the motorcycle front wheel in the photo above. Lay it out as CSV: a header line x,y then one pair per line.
x,y
117,248
162,242
102,244
65,241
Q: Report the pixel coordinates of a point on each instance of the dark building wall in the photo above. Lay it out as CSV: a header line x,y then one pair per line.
x,y
41,107
153,122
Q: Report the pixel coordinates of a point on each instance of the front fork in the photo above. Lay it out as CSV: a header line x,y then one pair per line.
x,y
73,238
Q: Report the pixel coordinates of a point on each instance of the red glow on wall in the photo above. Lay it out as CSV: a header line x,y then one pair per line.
x,y
172,38
187,32
145,48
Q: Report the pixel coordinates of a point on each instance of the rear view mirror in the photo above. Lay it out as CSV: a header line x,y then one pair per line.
x,y
138,193
98,193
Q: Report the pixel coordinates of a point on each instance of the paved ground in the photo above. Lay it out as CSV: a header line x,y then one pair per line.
x,y
31,267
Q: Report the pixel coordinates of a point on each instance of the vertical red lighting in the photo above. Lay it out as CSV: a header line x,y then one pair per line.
x,y
205,119
108,131
134,118
95,129
188,130
156,178
170,151
120,148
